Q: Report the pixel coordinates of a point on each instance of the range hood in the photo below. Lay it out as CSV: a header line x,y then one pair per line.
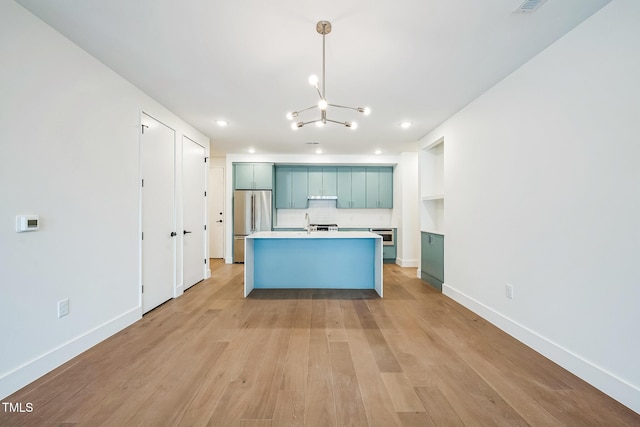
x,y
323,197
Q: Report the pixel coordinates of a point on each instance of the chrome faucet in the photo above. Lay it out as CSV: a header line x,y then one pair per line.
x,y
306,218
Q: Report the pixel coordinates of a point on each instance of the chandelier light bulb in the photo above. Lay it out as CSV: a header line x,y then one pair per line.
x,y
354,125
297,125
319,124
323,104
366,111
313,80
291,115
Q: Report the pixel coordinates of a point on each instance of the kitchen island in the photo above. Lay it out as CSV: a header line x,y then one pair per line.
x,y
316,260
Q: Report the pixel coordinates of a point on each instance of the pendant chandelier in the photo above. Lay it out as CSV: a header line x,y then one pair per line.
x,y
324,28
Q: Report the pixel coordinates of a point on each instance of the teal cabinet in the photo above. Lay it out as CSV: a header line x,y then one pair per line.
x,y
385,188
291,187
389,253
379,187
432,259
323,181
263,176
243,176
351,187
253,176
358,187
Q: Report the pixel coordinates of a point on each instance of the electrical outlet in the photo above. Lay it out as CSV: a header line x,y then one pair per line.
x,y
509,291
63,307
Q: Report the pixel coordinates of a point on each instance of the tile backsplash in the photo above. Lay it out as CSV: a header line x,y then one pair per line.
x,y
325,212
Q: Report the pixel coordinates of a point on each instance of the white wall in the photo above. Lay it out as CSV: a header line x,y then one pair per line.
x,y
69,141
543,192
409,233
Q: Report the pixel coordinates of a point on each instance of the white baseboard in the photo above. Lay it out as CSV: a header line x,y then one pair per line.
x,y
30,371
608,383
407,262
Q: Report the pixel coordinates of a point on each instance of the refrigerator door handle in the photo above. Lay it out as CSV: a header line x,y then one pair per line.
x,y
253,212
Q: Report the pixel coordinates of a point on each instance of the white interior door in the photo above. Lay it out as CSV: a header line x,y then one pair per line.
x,y
216,212
194,212
157,148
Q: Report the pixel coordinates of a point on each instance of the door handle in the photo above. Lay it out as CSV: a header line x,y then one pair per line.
x,y
186,232
173,234
219,220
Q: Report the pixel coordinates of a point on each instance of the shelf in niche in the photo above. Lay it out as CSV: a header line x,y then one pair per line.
x,y
433,197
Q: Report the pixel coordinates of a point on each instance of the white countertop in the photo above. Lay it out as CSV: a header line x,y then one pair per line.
x,y
314,235
364,227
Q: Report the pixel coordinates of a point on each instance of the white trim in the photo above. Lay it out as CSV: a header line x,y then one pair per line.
x,y
14,380
407,262
605,381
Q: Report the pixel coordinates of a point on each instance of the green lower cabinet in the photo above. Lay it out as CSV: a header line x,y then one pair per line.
x,y
432,259
389,254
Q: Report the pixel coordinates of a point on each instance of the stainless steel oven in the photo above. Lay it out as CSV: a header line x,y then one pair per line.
x,y
387,235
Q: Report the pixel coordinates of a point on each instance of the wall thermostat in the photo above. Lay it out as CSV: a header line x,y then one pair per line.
x,y
27,223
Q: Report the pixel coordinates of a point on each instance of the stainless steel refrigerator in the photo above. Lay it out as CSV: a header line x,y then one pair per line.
x,y
251,213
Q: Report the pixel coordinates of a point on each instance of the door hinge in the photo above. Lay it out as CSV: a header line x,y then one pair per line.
x,y
143,289
205,194
143,182
144,126
205,159
205,260
143,235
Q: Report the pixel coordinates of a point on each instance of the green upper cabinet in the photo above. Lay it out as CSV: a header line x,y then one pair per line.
x,y
355,187
291,187
253,176
385,187
351,187
323,181
379,184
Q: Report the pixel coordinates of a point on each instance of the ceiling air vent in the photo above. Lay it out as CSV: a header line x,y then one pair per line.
x,y
529,6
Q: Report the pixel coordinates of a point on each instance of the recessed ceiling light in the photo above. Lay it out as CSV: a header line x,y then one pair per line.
x,y
222,123
251,150
318,150
378,152
405,125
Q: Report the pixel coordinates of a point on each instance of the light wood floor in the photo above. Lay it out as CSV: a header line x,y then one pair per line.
x,y
313,358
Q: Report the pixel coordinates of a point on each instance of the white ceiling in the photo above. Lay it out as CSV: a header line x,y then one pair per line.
x,y
247,61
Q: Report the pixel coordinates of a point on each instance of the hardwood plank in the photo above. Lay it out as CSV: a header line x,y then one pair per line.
x,y
349,407
415,419
289,409
382,352
375,397
438,409
264,393
320,408
402,394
